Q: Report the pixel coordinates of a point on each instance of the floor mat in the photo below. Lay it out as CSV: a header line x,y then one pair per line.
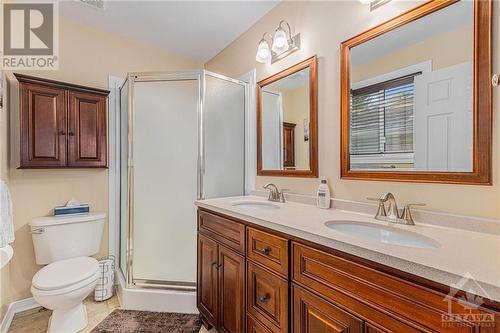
x,y
129,321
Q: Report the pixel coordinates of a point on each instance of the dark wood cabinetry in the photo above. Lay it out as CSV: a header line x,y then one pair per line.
x,y
267,298
43,126
293,285
311,314
289,145
220,278
231,286
207,296
62,125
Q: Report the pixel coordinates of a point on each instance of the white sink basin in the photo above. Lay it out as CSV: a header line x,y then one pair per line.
x,y
383,234
6,254
255,204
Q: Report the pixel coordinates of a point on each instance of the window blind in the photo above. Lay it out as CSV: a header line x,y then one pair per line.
x,y
381,118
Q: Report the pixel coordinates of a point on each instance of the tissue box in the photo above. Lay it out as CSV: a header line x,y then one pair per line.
x,y
63,210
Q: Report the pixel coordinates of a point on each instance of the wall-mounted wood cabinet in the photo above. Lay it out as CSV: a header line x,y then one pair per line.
x,y
62,125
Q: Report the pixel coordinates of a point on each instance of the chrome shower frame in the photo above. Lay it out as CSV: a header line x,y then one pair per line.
x,y
131,79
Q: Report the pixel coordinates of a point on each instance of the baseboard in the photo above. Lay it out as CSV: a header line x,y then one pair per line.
x,y
16,307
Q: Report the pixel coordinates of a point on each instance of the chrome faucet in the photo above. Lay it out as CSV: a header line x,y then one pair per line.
x,y
275,194
390,213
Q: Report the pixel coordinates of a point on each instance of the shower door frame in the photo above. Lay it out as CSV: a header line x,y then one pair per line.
x,y
199,76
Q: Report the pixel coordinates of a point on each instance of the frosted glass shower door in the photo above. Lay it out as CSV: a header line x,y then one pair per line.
x,y
165,159
224,137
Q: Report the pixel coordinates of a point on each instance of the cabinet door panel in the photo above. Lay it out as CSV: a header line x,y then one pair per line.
x,y
253,326
207,279
312,314
87,130
43,126
268,250
267,298
231,286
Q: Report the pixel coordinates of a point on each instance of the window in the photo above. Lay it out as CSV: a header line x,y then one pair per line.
x,y
382,122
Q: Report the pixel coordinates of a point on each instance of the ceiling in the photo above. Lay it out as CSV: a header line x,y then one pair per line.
x,y
194,29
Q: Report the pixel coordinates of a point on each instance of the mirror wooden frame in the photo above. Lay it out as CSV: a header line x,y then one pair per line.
x,y
482,96
313,110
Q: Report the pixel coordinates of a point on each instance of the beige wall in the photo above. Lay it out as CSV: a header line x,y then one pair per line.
x,y
448,49
323,26
87,57
4,175
295,110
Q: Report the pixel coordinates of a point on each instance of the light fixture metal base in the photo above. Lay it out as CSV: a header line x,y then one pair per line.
x,y
378,3
295,46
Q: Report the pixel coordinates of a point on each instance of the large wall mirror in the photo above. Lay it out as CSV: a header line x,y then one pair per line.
x,y
416,96
287,122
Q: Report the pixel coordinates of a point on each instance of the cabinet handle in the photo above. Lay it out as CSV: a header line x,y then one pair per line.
x,y
61,133
264,298
71,134
265,250
216,265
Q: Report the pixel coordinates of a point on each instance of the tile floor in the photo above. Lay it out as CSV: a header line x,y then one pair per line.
x,y
36,320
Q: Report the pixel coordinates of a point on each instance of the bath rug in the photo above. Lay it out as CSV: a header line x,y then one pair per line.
x,y
129,321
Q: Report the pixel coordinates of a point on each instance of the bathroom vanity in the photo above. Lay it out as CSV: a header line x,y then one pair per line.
x,y
271,267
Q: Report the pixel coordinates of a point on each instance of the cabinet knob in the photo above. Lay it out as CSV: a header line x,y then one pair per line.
x,y
216,265
71,134
264,298
265,250
61,133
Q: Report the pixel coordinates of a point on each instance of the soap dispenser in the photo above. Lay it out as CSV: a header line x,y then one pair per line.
x,y
323,200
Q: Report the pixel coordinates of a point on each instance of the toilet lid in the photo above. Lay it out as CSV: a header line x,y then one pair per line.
x,y
63,273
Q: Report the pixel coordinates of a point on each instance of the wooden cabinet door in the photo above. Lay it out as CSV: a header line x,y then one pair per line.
x,y
231,291
87,130
312,314
288,144
369,328
253,326
267,298
43,126
207,279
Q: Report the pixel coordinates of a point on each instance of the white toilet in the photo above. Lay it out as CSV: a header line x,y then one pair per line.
x,y
65,245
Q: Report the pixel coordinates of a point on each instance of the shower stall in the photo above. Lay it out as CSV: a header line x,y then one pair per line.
x,y
182,138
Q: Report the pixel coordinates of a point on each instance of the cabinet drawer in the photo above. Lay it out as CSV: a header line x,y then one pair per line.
x,y
267,298
312,314
268,250
373,294
225,231
253,326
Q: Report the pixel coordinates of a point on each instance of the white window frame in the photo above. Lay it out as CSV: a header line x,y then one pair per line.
x,y
399,158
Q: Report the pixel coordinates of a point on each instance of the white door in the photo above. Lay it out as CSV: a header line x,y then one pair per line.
x,y
443,119
272,119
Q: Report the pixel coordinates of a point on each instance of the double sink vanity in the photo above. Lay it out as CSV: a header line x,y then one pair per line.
x,y
290,267
415,107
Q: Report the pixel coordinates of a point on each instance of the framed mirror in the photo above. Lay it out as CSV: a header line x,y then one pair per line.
x,y
287,122
416,96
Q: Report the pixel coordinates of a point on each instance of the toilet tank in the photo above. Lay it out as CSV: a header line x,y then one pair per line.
x,y
63,237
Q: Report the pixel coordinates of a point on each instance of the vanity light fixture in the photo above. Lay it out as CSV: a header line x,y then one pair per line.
x,y
282,44
374,4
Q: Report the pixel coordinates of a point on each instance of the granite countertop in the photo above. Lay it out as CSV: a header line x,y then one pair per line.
x,y
459,258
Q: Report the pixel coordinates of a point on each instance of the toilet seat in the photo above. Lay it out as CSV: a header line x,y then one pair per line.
x,y
65,275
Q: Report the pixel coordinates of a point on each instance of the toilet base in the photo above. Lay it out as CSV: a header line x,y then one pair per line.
x,y
70,320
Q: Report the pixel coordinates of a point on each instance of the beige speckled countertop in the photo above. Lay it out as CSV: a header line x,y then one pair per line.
x,y
460,253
